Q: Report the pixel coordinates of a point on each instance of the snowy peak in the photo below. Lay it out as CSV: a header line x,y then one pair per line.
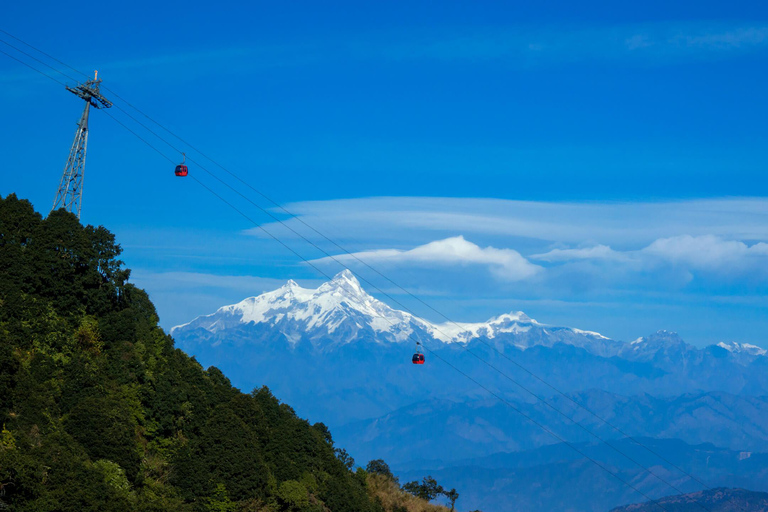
x,y
660,339
339,311
515,322
662,344
743,348
346,278
345,285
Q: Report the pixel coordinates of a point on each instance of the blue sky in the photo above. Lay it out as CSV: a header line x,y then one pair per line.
x,y
593,164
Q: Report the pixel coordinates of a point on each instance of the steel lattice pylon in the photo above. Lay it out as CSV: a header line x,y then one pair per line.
x,y
70,193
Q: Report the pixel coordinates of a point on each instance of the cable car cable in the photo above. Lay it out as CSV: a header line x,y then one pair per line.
x,y
33,68
36,59
323,273
42,52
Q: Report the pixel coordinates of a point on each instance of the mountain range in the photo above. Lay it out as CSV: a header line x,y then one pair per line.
x,y
340,312
340,356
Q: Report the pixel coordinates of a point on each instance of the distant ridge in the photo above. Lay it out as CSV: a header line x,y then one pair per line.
x,y
715,500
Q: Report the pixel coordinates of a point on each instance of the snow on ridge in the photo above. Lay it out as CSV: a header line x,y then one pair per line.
x,y
589,333
328,306
735,347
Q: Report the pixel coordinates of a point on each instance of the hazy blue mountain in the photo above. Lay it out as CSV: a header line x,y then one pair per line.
x,y
713,500
449,431
558,478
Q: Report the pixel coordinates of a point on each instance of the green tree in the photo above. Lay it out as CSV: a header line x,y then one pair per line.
x,y
345,458
293,495
452,496
219,500
379,467
428,489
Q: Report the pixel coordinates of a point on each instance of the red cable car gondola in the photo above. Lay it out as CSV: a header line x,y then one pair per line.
x,y
181,169
418,357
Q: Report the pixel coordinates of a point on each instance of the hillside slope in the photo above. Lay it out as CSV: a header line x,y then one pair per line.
x,y
100,412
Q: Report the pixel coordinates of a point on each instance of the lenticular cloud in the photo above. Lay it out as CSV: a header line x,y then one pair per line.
x,y
506,264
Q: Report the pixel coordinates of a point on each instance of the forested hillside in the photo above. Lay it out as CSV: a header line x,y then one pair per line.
x,y
99,411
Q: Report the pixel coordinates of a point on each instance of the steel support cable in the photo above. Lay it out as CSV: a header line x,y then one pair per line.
x,y
43,53
465,348
329,277
34,68
354,256
37,60
473,380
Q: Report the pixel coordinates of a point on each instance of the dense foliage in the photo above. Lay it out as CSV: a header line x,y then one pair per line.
x,y
99,411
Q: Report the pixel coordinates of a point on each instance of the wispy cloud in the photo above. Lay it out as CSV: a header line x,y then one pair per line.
x,y
378,221
577,246
506,264
710,253
597,252
706,254
648,42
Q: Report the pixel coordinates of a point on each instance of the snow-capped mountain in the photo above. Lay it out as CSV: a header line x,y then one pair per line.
x,y
340,312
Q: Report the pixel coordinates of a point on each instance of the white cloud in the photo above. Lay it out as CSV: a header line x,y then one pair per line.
x,y
705,253
709,252
505,264
586,253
